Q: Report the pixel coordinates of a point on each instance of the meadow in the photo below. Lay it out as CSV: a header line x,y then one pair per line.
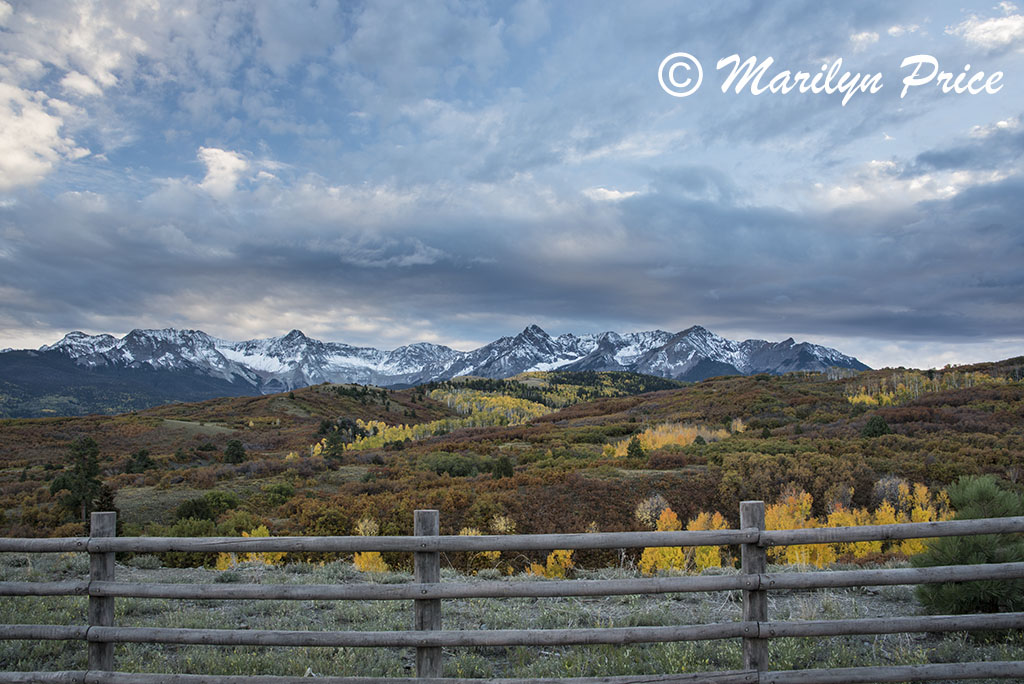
x,y
461,614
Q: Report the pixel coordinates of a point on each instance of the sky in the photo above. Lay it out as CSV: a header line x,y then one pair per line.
x,y
383,173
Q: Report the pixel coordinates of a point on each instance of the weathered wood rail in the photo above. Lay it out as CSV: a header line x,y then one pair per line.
x,y
429,638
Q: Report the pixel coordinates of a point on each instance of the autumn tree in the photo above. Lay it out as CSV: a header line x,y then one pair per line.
x,y
369,561
81,483
655,558
707,556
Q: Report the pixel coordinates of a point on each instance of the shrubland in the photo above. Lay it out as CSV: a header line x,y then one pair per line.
x,y
551,452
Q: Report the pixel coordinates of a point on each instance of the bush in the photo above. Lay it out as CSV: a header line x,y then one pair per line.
x,y
139,462
278,493
456,465
234,452
189,527
976,497
206,507
875,427
502,467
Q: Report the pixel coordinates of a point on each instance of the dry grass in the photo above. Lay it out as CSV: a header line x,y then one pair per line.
x,y
458,614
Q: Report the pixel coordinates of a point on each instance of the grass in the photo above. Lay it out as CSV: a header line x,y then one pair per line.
x,y
518,613
190,427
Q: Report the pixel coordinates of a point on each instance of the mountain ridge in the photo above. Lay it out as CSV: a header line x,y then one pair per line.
x,y
295,360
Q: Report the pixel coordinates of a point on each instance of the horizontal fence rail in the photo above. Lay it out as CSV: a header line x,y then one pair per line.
x,y
532,589
427,591
524,542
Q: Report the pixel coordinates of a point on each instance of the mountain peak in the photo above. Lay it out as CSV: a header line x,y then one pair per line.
x,y
80,343
295,360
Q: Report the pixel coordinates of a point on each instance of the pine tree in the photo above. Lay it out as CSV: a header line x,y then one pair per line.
x,y
234,452
875,427
81,482
976,497
635,448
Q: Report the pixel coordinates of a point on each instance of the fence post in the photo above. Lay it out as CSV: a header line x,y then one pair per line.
x,y
101,608
755,603
427,612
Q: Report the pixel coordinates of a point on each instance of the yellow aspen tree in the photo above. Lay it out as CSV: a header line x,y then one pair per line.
x,y
925,508
793,512
369,561
845,517
707,556
559,563
656,558
649,510
265,557
227,561
885,514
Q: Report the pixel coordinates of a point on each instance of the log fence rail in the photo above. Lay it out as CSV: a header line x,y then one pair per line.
x,y
429,638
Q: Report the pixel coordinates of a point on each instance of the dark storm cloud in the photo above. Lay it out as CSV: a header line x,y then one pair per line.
x,y
998,148
952,271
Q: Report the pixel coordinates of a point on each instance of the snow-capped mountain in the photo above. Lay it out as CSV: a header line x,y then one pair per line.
x,y
295,360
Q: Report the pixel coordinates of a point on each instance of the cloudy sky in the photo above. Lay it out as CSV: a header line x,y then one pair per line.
x,y
390,172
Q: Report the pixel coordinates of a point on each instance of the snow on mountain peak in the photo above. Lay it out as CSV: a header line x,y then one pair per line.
x,y
295,360
78,343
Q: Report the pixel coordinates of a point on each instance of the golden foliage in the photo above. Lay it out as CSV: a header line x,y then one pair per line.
x,y
481,409
369,561
794,513
841,516
558,565
655,558
707,556
648,510
226,561
904,386
915,503
502,524
486,558
665,434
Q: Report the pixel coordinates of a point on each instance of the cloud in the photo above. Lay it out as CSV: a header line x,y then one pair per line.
x,y
606,195
861,41
903,30
223,170
390,172
32,143
80,84
529,21
993,33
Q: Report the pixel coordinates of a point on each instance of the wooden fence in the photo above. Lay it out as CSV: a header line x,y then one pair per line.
x,y
428,638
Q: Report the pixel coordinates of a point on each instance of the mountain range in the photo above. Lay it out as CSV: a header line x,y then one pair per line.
x,y
157,366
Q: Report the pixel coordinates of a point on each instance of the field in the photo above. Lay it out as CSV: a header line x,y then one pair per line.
x,y
460,614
